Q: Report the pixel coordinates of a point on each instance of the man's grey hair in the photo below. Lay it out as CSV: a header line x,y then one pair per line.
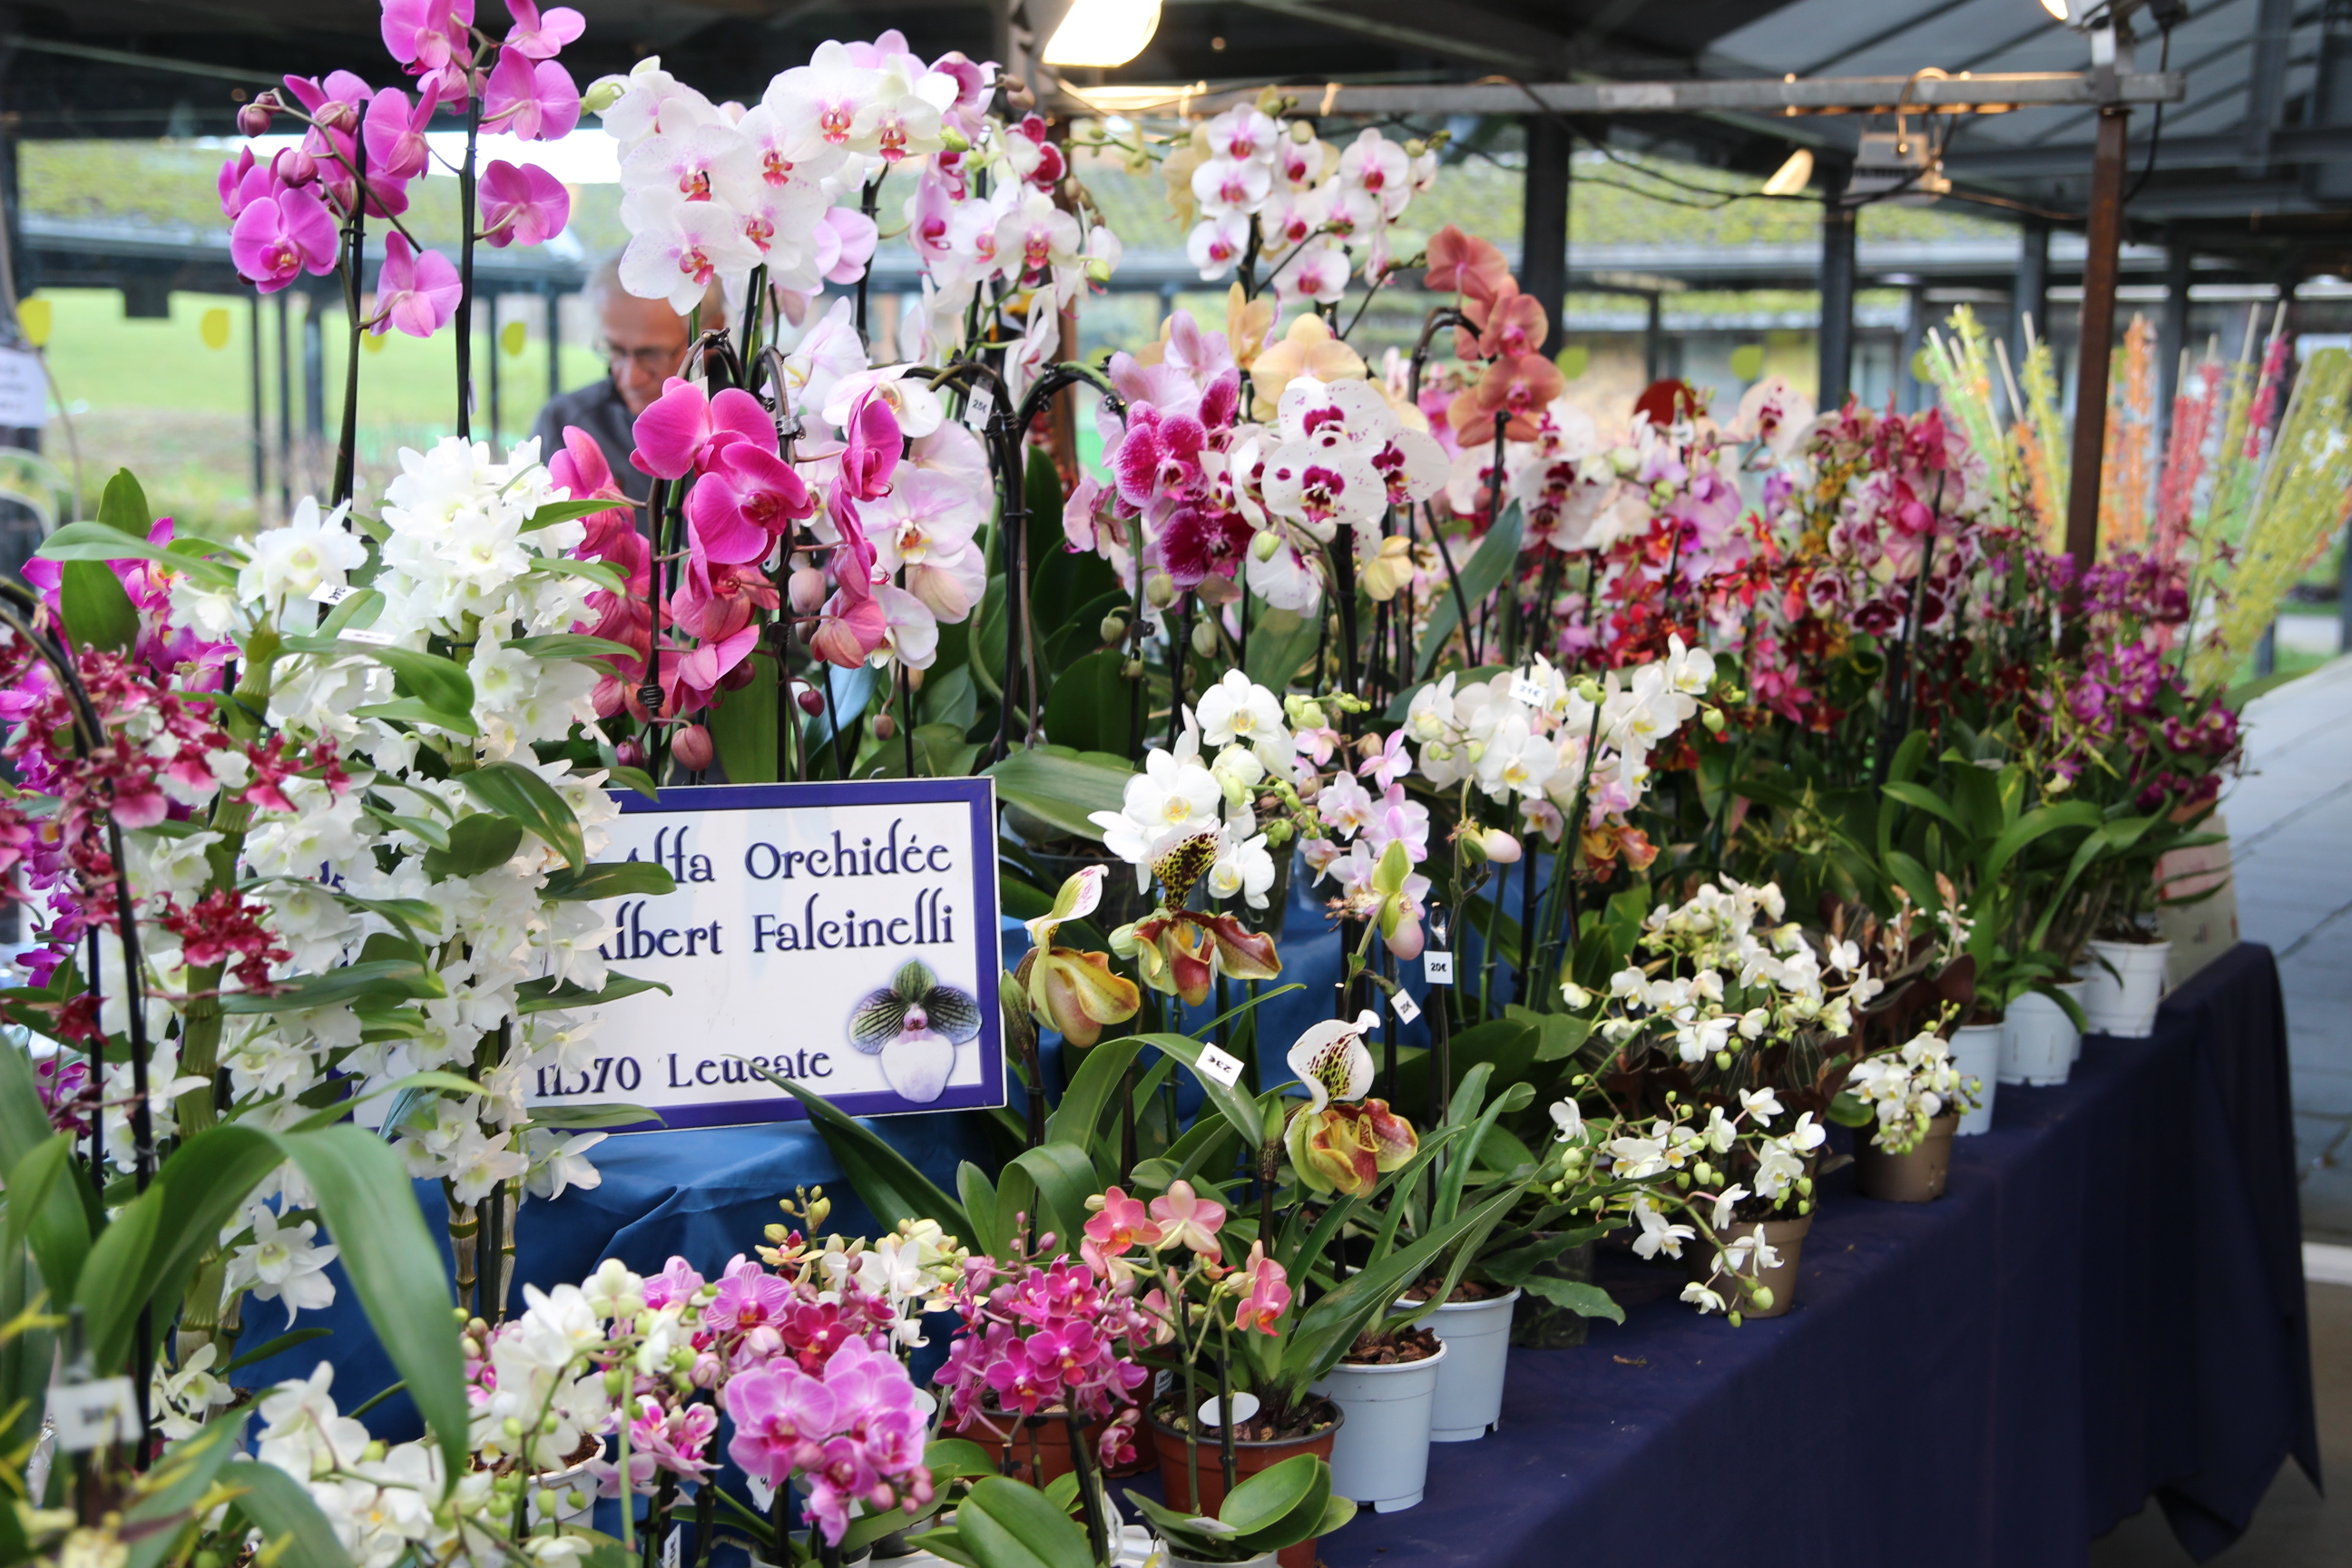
x,y
604,283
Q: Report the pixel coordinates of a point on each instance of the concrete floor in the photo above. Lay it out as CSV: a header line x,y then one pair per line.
x,y
2291,835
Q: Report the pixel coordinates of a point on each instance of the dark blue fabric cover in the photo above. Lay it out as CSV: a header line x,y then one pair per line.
x,y
2107,1303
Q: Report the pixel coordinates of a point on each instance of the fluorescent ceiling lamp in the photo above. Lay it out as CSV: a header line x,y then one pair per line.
x,y
2057,9
1792,176
1103,32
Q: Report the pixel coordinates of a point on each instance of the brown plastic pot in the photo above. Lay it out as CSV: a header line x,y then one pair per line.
x,y
1786,1237
1179,1489
1050,1453
1917,1177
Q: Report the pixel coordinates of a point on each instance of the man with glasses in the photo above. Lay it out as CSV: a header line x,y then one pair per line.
x,y
643,342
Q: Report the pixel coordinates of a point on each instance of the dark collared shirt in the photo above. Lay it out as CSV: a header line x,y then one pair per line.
x,y
598,410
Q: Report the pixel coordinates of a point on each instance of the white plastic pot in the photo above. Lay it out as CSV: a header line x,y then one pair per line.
x,y
1976,1052
1477,1336
2075,988
2038,1041
1380,1455
1175,1559
2122,1003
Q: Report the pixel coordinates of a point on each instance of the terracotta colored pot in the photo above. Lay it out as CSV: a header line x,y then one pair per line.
x,y
1051,1450
1209,1471
1786,1237
1917,1177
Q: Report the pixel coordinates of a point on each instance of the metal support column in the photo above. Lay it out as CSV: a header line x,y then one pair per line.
x,y
1912,396
1654,340
490,320
314,384
2030,299
1837,291
260,423
2171,335
285,402
1543,263
2103,239
554,348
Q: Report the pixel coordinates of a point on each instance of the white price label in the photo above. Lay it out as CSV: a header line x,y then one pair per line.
x,y
1436,967
331,594
1222,1066
1530,691
1407,1009
91,1415
361,635
671,1551
977,407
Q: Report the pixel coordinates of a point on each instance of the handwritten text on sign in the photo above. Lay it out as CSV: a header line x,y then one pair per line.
x,y
843,936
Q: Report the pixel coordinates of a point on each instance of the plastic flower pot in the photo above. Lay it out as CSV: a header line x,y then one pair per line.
x,y
1543,1325
1477,1336
1976,1053
1381,1459
2122,1003
2038,1041
1917,1177
1041,1454
2075,988
1175,1559
1786,1237
1205,1477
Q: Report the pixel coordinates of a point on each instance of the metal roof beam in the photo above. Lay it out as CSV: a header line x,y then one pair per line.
x,y
2289,144
1794,97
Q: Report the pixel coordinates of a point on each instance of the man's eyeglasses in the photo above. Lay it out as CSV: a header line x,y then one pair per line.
x,y
649,360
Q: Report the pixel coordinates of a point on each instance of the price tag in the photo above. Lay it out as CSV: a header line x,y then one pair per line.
x,y
91,1415
977,407
671,1551
1530,691
361,635
1220,1066
331,594
1436,967
1407,1009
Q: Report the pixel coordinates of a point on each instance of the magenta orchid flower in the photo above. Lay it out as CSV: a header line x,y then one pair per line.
x,y
394,133
277,238
874,442
416,292
542,33
748,499
1119,1221
1265,1294
682,430
431,37
532,101
521,205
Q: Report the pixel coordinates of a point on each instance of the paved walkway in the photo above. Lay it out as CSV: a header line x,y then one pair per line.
x,y
2291,829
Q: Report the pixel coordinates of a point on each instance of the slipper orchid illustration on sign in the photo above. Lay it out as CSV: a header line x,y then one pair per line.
x,y
914,1025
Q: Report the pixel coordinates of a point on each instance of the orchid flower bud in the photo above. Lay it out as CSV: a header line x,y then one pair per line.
x,y
807,586
253,119
811,700
1501,848
603,94
337,115
1159,590
954,141
629,755
1097,270
1205,639
1114,627
885,727
293,167
693,748
1713,719
1264,545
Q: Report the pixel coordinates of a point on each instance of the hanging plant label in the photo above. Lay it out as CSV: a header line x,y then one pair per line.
x,y
841,936
1222,1067
1407,1009
92,1415
977,407
1437,967
1532,692
1212,1414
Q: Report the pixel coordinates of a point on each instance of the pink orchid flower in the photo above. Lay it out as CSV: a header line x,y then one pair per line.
x,y
416,292
277,238
395,134
431,37
853,623
872,454
843,243
1266,1293
1186,1219
1391,763
523,204
533,100
683,429
1119,1221
748,501
541,34
714,602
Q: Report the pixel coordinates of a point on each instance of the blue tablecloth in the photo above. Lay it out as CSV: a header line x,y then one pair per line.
x,y
2106,1304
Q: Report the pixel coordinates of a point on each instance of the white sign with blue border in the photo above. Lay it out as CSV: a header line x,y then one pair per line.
x,y
841,935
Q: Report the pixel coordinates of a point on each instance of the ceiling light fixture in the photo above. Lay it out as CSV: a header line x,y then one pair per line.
x,y
1103,32
2057,9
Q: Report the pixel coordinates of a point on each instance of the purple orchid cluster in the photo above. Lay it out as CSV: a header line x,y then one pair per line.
x,y
363,146
1039,1338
